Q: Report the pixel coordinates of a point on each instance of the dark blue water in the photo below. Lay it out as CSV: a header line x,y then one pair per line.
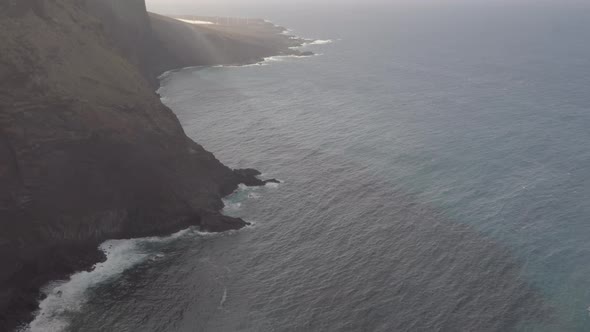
x,y
436,169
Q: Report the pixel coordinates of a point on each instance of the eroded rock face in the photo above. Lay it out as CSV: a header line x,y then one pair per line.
x,y
87,150
18,8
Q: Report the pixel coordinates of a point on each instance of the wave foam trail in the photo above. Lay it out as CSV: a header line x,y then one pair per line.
x,y
320,42
196,22
275,58
311,42
272,185
64,298
223,298
279,58
257,64
234,201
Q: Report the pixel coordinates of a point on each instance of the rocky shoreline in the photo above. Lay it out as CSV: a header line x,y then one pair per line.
x,y
87,150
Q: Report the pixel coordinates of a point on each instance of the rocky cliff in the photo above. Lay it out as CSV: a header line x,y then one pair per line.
x,y
87,150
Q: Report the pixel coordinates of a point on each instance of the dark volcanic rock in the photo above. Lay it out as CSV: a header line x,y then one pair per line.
x,y
247,172
272,181
87,150
220,223
249,177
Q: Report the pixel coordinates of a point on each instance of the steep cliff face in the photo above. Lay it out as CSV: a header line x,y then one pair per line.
x,y
87,150
127,25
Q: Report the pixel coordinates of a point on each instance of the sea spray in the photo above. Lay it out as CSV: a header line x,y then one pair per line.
x,y
320,42
64,298
234,202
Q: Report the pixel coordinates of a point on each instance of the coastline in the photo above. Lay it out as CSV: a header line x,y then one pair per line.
x,y
226,45
92,256
120,255
64,244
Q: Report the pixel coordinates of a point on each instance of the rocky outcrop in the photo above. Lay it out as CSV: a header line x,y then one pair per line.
x,y
87,150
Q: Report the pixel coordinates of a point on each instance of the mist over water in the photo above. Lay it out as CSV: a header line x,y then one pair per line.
x,y
435,170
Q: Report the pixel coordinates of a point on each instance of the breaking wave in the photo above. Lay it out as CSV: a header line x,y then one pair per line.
x,y
65,298
320,42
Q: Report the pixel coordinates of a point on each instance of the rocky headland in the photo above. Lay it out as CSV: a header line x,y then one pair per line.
x,y
87,150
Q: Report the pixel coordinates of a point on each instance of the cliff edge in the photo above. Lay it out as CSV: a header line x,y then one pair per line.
x,y
87,150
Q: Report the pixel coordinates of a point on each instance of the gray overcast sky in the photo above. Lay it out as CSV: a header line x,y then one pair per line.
x,y
253,7
246,7
206,7
179,6
261,7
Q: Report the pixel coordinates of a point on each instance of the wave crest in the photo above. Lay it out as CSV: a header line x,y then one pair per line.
x,y
321,42
66,297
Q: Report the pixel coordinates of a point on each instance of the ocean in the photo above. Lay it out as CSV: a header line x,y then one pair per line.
x,y
435,169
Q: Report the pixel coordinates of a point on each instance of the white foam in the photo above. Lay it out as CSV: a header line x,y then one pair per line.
x,y
234,202
253,196
257,64
272,185
318,42
166,74
223,298
195,21
287,32
274,58
229,206
280,58
66,297
322,42
310,42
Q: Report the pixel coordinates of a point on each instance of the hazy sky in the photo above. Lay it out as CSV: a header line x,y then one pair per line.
x,y
178,6
247,7
260,8
205,7
232,5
